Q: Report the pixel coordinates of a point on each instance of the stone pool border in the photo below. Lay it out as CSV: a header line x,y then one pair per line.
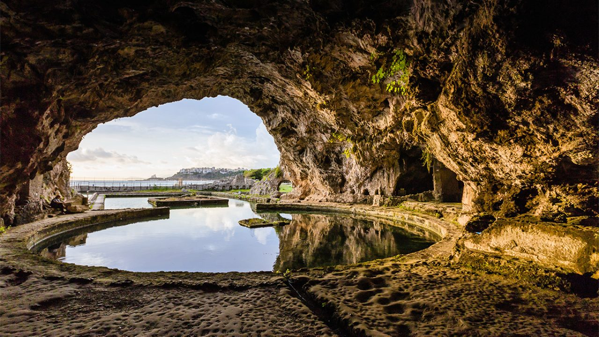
x,y
447,231
15,244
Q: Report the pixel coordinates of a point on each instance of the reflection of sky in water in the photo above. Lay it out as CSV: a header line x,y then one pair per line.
x,y
116,203
211,240
194,239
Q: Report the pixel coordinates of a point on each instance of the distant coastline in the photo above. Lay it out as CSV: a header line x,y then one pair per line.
x,y
200,174
173,178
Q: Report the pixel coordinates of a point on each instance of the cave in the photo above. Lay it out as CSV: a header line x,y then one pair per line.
x,y
416,173
490,105
447,187
307,70
307,77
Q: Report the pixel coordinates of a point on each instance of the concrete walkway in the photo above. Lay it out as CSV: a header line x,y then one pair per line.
x,y
99,203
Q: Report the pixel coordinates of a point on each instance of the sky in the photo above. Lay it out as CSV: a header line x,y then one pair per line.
x,y
212,132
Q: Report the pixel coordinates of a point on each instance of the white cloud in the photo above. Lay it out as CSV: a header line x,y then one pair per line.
x,y
262,234
231,129
100,155
216,116
165,139
230,150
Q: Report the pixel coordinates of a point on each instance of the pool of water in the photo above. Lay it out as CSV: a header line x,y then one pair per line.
x,y
211,240
116,203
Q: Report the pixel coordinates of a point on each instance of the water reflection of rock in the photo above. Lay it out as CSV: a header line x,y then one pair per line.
x,y
57,251
324,240
272,217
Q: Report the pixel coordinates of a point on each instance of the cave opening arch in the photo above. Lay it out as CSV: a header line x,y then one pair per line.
x,y
165,141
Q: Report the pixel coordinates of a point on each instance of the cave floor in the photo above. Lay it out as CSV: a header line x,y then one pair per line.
x,y
379,299
395,296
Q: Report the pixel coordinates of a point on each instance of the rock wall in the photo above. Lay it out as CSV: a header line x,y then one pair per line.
x,y
357,94
269,185
33,195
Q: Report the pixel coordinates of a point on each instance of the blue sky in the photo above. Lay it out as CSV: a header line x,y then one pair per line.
x,y
220,132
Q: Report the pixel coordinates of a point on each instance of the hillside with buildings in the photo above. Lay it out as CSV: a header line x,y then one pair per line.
x,y
206,173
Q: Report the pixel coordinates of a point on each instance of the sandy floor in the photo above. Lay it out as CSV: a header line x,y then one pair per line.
x,y
429,300
387,300
33,306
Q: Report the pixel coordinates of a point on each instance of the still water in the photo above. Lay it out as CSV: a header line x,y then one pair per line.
x,y
211,240
116,203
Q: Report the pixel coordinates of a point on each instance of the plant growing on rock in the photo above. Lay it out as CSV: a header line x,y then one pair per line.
x,y
427,159
307,74
398,70
278,172
338,137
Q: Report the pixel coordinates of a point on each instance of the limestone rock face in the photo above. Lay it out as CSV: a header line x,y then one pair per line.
x,y
502,93
269,185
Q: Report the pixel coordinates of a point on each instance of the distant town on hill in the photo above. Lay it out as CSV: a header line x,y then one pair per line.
x,y
202,173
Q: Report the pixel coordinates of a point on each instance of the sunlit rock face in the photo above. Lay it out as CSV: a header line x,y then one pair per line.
x,y
502,93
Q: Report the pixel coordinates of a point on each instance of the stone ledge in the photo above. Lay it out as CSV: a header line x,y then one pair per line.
x,y
144,194
58,225
573,248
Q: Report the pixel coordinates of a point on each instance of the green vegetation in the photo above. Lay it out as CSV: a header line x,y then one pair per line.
x,y
257,174
307,74
338,137
278,172
398,69
285,188
240,191
427,159
2,229
262,173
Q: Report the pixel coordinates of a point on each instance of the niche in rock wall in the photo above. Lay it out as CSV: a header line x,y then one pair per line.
x,y
447,187
414,176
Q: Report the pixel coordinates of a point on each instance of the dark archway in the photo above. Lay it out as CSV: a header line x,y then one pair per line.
x,y
285,186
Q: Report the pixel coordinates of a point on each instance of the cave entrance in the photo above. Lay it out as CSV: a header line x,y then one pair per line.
x,y
421,172
206,139
447,187
415,177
